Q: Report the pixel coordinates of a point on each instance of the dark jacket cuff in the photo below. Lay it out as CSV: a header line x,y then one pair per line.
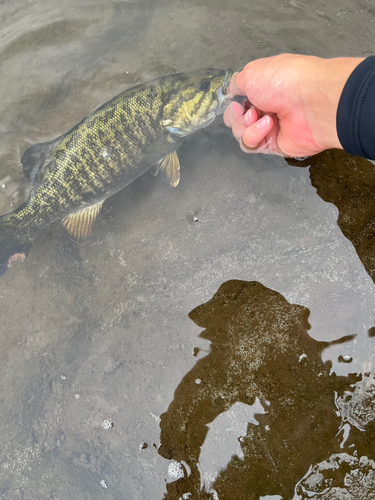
x,y
355,119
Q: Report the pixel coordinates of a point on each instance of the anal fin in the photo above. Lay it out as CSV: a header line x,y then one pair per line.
x,y
80,225
170,168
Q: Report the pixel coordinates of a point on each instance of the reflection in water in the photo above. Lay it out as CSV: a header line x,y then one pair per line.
x,y
341,477
261,352
311,433
349,183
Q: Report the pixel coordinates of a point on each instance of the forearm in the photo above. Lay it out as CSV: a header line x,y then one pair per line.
x,y
325,94
356,111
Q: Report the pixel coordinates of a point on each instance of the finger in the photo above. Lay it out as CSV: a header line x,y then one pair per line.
x,y
241,80
233,112
246,149
246,120
266,146
255,133
233,88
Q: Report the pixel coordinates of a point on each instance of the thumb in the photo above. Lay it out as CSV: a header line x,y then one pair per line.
x,y
234,87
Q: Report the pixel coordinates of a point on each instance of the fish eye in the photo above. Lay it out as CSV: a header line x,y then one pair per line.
x,y
205,85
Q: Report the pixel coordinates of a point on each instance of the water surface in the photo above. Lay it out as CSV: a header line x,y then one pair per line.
x,y
99,333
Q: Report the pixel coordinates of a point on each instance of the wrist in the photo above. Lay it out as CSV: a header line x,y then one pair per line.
x,y
356,111
333,75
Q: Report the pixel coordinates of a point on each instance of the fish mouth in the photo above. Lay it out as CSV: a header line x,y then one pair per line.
x,y
224,96
227,79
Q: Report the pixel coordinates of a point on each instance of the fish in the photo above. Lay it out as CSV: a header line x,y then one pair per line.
x,y
139,129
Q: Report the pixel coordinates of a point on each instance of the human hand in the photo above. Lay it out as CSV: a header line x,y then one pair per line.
x,y
294,102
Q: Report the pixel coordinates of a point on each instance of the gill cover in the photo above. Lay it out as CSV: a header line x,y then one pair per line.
x,y
196,102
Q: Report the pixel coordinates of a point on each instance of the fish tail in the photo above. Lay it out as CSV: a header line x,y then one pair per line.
x,y
11,246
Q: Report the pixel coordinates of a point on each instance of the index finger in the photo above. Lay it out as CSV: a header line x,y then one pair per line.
x,y
233,88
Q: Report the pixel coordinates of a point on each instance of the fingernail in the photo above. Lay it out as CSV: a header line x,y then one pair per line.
x,y
230,113
263,122
232,86
247,117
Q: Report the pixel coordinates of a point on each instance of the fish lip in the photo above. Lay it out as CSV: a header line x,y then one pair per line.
x,y
227,79
224,96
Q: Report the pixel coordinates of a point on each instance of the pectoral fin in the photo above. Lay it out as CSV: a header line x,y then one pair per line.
x,y
170,168
80,224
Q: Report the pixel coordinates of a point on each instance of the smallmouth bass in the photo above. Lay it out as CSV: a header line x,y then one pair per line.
x,y
140,128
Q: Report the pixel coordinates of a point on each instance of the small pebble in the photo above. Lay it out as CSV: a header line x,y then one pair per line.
x,y
143,446
345,359
158,419
198,381
107,424
175,470
3,186
63,377
103,484
77,396
195,219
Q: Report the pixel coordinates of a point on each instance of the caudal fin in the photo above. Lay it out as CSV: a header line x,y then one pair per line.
x,y
10,248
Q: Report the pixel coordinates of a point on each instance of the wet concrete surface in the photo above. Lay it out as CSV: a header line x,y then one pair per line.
x,y
99,333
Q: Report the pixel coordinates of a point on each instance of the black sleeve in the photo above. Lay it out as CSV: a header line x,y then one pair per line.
x,y
355,118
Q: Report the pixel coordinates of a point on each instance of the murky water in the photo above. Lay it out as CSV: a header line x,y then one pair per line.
x,y
109,387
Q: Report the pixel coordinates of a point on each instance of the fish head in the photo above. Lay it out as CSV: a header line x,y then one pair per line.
x,y
196,99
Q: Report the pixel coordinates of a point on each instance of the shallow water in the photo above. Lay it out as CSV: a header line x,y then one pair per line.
x,y
99,333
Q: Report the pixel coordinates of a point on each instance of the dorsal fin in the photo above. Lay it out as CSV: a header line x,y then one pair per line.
x,y
35,159
79,225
